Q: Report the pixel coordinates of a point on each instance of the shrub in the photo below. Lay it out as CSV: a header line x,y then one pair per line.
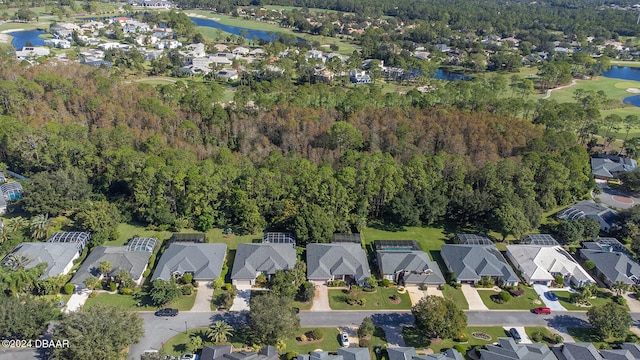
x,y
291,355
423,287
316,334
386,282
126,291
364,343
93,294
113,286
366,328
537,336
69,288
394,297
462,338
187,278
187,290
303,337
516,292
195,284
372,282
589,265
461,349
308,292
227,287
362,301
559,280
620,300
146,273
557,339
217,283
486,282
261,279
336,283
504,296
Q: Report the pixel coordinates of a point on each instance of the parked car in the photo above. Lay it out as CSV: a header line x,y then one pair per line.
x,y
551,296
167,312
344,339
542,310
515,334
188,357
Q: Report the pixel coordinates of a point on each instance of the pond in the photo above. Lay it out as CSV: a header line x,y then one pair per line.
x,y
444,74
250,34
625,73
20,38
632,100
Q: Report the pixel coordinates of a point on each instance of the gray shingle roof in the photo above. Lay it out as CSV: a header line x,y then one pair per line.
x,y
204,261
224,352
57,256
135,262
589,209
581,351
251,259
610,166
616,266
327,260
507,349
449,354
472,262
401,353
354,353
419,268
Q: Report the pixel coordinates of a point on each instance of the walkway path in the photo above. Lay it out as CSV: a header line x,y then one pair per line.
x,y
77,300
203,298
548,95
473,298
321,299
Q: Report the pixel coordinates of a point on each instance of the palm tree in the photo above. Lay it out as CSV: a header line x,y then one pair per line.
x,y
196,342
16,223
40,225
4,234
105,267
620,287
17,262
219,332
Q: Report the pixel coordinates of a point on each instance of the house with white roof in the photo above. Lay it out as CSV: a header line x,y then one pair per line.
x,y
540,264
31,52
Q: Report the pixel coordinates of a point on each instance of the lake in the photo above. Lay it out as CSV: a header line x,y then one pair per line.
x,y
251,34
625,73
444,74
20,38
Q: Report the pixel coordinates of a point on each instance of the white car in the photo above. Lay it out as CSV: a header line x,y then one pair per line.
x,y
188,357
344,339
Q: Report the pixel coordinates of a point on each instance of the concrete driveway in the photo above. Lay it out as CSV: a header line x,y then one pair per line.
x,y
321,298
416,294
352,332
241,301
522,332
632,302
77,300
203,298
553,305
473,298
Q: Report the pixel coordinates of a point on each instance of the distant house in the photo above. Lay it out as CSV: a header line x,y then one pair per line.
x,y
611,166
359,77
204,261
590,209
507,349
406,264
587,351
228,74
254,259
241,50
613,262
58,43
152,4
224,352
32,52
470,263
133,258
540,265
339,261
58,256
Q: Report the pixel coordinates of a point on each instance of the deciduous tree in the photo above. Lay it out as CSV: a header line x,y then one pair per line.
x,y
439,317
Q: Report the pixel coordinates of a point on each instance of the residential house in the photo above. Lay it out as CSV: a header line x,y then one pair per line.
x,y
241,50
401,353
162,33
607,167
168,44
337,261
580,351
195,70
133,258
266,258
507,349
359,77
350,353
195,50
403,262
58,256
471,263
612,261
541,264
58,43
204,261
590,209
224,352
153,4
449,354
144,40
228,74
113,45
31,52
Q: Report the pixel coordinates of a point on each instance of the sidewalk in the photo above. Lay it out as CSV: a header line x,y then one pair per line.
x,y
473,298
203,298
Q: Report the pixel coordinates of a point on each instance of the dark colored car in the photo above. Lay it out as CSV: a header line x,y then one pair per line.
x,y
551,296
515,334
542,310
167,312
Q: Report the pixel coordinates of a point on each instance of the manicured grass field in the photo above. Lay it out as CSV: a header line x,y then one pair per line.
x,y
414,338
613,88
588,334
563,297
181,343
329,341
374,301
523,302
546,333
429,238
456,295
128,302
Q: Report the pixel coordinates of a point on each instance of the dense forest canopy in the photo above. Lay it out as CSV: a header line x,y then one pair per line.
x,y
312,159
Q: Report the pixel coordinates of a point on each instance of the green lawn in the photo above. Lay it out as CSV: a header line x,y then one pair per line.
x,y
414,338
129,302
329,341
563,297
626,63
590,335
546,333
374,301
456,295
181,343
429,238
524,302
